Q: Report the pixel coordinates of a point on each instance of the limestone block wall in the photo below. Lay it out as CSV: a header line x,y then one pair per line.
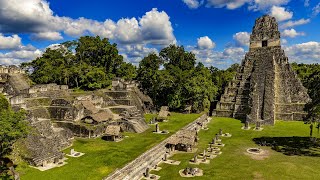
x,y
11,70
80,130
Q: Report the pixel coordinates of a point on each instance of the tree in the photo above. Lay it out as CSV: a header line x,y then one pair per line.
x,y
309,75
176,56
13,127
88,63
148,74
172,79
313,107
221,78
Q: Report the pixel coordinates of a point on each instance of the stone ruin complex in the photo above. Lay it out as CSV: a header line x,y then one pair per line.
x,y
57,114
265,87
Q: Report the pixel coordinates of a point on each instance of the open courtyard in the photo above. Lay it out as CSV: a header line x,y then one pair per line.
x,y
236,163
104,157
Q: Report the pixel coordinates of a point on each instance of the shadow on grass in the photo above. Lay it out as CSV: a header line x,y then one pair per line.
x,y
300,146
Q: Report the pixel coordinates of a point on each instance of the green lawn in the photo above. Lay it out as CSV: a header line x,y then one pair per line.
x,y
233,163
103,157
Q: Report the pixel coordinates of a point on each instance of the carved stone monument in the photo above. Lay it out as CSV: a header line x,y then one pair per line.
x,y
147,173
165,157
195,158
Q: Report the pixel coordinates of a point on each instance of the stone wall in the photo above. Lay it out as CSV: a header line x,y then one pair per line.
x,y
11,70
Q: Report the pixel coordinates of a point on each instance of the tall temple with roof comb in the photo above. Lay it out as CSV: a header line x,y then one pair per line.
x,y
265,88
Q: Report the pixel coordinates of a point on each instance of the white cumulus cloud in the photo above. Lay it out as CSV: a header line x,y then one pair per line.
x,y
242,38
205,43
308,52
9,42
192,4
229,4
294,23
53,36
135,53
258,5
292,33
280,13
35,16
17,56
255,5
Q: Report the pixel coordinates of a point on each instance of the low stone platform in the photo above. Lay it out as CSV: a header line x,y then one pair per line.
x,y
245,128
218,144
51,165
213,148
258,129
172,162
156,169
152,177
161,132
200,173
199,161
226,135
75,154
215,152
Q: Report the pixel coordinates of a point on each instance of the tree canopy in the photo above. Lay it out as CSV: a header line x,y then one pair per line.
x,y
13,127
174,79
87,63
310,77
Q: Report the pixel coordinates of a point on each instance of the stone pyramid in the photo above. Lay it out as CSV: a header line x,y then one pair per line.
x,y
265,87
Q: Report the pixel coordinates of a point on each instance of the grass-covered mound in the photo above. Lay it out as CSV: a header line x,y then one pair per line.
x,y
234,163
103,157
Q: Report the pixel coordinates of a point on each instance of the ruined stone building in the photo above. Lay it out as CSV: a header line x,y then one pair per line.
x,y
57,114
265,88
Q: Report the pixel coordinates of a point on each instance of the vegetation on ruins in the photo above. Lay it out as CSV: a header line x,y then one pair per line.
x,y
87,63
221,78
13,126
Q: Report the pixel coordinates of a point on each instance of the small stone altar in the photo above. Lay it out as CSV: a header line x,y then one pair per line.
x,y
75,154
191,172
158,131
246,126
258,126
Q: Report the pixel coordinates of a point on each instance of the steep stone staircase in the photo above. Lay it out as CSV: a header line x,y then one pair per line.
x,y
135,119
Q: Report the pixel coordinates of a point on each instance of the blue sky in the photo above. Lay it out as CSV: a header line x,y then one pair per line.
x,y
217,31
